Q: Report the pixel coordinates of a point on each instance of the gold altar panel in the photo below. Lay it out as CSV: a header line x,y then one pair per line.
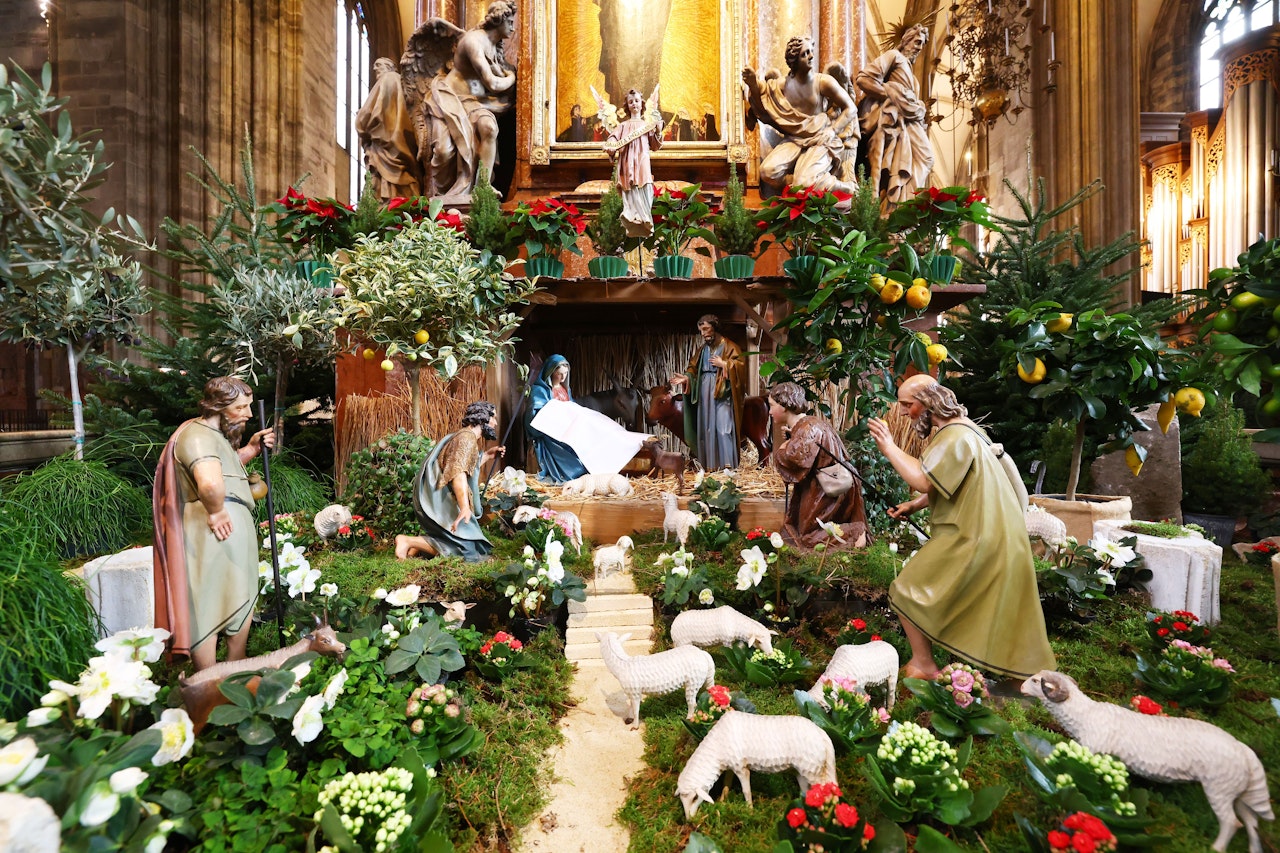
x,y
678,41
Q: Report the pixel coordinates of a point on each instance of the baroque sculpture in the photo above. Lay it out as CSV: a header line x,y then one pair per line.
x,y
387,136
456,84
895,120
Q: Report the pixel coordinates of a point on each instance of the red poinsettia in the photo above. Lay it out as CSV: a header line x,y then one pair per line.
x,y
802,217
548,227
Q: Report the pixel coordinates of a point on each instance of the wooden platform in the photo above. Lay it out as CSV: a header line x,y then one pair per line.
x,y
605,519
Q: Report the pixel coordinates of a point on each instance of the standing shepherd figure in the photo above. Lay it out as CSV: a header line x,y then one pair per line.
x,y
715,384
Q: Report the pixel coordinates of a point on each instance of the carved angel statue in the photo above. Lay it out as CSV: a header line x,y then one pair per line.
x,y
815,116
387,134
457,83
628,146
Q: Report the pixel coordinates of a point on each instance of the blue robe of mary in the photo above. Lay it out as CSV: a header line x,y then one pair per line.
x,y
557,462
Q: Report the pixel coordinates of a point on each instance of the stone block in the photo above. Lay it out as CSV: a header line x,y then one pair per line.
x,y
1157,492
1186,572
121,589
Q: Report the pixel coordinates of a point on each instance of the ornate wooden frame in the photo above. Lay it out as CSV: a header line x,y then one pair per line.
x,y
732,146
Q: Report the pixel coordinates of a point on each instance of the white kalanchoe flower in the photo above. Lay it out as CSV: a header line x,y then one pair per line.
x,y
18,762
177,736
144,644
754,566
775,539
126,781
404,596
328,590
307,723
102,806
334,689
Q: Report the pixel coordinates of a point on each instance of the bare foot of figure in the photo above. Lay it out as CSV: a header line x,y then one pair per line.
x,y
402,547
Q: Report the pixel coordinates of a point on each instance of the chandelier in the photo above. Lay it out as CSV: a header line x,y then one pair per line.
x,y
990,57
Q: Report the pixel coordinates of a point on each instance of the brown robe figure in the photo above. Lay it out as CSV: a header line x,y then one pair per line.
x,y
810,444
387,135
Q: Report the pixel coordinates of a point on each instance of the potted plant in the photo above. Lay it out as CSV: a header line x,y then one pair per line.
x,y
315,226
734,232
1222,478
488,228
608,237
427,298
677,219
931,221
547,228
802,220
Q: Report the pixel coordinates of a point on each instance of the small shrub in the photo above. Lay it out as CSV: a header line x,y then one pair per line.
x,y
83,507
735,227
380,481
1221,475
606,231
488,228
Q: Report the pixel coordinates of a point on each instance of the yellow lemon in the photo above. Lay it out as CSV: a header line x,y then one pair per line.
x,y
937,353
370,355
421,336
918,295
877,281
891,293
1036,376
1164,415
882,320
1132,459
834,347
1189,401
1060,324
388,365
919,282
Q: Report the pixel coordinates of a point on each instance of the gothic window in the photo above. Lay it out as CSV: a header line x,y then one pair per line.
x,y
1226,21
352,75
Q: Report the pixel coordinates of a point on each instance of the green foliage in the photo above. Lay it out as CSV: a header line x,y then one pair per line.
x,y
1221,474
380,481
734,230
854,726
1160,529
720,496
864,210
803,220
293,488
711,534
47,626
678,217
367,729
606,231
488,228
786,665
915,775
82,506
427,650
261,718
548,227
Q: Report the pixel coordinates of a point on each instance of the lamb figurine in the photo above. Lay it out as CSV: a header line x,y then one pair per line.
x,y
744,742
648,675
597,484
328,520
875,662
455,612
1044,526
675,520
722,626
563,517
613,558
1166,749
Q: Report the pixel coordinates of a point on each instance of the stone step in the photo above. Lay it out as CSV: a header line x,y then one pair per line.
x,y
616,584
591,651
574,636
634,601
605,620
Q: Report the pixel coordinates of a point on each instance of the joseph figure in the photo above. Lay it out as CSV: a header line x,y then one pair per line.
x,y
715,386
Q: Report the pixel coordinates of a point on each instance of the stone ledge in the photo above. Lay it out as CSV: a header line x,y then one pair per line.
x,y
1186,572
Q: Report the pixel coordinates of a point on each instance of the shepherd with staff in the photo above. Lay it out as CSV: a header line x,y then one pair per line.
x,y
628,146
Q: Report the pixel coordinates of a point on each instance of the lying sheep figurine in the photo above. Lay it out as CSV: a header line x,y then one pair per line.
x,y
875,662
1166,749
649,675
613,558
562,517
328,520
722,626
745,742
675,520
597,484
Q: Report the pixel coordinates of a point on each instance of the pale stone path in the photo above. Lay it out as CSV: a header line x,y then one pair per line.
x,y
600,752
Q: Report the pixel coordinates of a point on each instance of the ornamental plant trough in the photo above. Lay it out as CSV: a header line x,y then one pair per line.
x,y
1186,571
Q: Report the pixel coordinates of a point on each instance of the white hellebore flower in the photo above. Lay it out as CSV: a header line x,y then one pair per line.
x,y
680,569
291,555
380,593
302,580
108,677
404,596
126,781
308,723
753,568
328,590
17,760
144,644
31,823
103,804
833,530
514,482
1119,555
300,672
553,553
334,689
59,693
177,735
42,716
706,596
775,539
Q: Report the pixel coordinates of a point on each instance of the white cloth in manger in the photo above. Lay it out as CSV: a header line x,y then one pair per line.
x,y
603,445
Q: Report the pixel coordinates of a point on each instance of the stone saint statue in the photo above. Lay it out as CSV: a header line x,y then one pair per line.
x,y
387,135
815,116
899,155
455,109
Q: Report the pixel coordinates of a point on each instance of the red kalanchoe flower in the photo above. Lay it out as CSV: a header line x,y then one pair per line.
x,y
1162,632
1145,705
1186,614
815,797
1082,843
1180,626
501,637
846,815
484,650
875,636
796,817
515,644
1158,619
345,530
858,624
1059,840
868,832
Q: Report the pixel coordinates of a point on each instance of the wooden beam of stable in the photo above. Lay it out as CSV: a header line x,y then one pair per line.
x,y
755,315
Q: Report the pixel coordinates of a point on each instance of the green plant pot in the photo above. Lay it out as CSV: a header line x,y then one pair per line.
x,y
672,266
942,268
735,266
1220,529
318,272
607,266
803,268
543,268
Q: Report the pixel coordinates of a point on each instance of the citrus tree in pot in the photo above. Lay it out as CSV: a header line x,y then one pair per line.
x,y
608,237
426,298
1222,478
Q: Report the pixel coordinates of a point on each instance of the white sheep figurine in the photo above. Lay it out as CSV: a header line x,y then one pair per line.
x,y
597,484
1166,749
455,612
744,742
875,662
1045,526
328,520
722,626
675,520
613,558
563,517
649,675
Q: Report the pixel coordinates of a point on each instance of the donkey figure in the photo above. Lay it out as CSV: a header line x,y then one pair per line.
x,y
623,404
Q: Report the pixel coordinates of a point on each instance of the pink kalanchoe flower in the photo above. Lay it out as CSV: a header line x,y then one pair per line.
x,y
962,680
963,700
1182,644
1221,663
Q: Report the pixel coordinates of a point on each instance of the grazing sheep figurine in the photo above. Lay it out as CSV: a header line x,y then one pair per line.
x,y
597,484
722,626
1166,749
875,662
563,517
613,558
744,742
676,520
648,675
1045,526
328,520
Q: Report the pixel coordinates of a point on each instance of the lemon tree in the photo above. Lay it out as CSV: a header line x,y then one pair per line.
x,y
427,298
1093,374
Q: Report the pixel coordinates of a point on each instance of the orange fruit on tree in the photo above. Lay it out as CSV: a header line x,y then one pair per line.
x,y
1036,376
388,365
421,336
1133,460
937,353
1059,324
369,354
833,346
918,295
891,293
1164,415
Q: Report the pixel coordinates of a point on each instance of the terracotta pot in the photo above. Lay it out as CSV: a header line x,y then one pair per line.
x,y
1080,514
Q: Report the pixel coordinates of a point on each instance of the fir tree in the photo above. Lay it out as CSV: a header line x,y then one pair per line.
x,y
606,231
735,227
487,226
